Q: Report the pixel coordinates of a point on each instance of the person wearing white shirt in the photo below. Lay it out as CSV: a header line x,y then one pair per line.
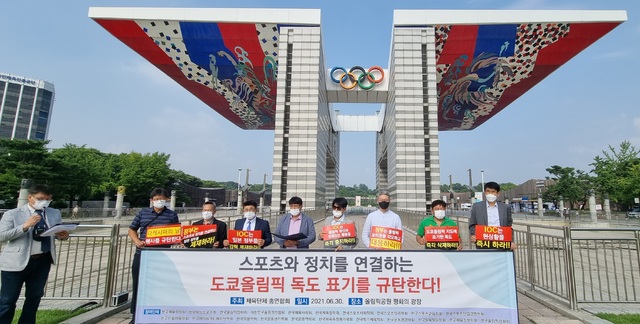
x,y
382,217
490,212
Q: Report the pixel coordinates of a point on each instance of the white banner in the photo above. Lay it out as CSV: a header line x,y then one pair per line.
x,y
281,286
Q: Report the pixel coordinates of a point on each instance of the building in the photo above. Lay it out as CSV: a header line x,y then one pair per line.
x,y
25,107
447,70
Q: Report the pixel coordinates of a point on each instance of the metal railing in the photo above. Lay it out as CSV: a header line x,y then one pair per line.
x,y
579,265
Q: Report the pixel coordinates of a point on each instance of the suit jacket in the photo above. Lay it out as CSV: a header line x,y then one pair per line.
x,y
16,253
221,231
306,228
261,225
479,215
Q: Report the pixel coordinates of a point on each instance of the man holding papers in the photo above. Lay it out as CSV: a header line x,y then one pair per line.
x,y
27,256
295,229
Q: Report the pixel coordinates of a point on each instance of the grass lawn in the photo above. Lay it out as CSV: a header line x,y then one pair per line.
x,y
50,316
620,318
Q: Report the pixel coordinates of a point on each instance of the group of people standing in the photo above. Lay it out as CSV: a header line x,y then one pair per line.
x,y
27,257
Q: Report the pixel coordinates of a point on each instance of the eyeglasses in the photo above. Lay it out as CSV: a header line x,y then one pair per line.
x,y
337,207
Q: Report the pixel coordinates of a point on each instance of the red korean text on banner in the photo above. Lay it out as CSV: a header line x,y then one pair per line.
x,y
494,237
340,234
441,237
163,235
385,238
244,240
195,236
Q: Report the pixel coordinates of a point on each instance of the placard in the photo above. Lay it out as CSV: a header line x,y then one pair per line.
x,y
244,240
385,238
163,235
199,236
441,237
340,234
494,237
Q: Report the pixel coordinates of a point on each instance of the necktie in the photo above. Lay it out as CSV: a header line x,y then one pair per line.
x,y
248,226
45,242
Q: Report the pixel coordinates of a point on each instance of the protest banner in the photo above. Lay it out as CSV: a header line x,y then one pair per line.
x,y
244,240
441,237
340,234
163,235
385,238
494,237
198,236
268,286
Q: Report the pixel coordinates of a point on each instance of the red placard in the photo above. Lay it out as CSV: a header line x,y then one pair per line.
x,y
334,232
163,235
493,237
385,238
244,239
441,234
194,236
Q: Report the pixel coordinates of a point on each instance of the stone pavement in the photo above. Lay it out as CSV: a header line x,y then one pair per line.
x,y
533,306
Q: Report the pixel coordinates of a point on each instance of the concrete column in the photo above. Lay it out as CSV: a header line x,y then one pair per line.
x,y
105,205
119,201
172,205
24,192
540,206
561,206
261,206
239,207
607,207
592,206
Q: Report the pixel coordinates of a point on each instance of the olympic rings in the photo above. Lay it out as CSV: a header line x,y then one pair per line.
x,y
357,76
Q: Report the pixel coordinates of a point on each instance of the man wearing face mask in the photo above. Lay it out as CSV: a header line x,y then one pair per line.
x,y
252,223
339,206
208,218
294,222
382,217
27,257
157,215
490,212
439,218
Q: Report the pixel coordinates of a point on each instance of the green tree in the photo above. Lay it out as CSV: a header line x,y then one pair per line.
x,y
140,173
22,159
616,173
571,184
507,186
79,172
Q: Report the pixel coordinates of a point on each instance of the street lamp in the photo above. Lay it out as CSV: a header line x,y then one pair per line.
x,y
482,179
239,174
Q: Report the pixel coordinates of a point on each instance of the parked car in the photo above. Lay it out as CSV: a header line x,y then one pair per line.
x,y
634,212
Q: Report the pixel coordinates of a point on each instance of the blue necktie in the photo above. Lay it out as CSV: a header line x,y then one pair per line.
x,y
45,242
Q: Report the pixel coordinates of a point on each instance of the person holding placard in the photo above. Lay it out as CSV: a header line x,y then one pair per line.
x,y
156,215
340,231
208,218
383,227
250,222
445,238
490,212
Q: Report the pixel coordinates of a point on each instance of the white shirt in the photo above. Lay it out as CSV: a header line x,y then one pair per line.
x,y
378,218
493,217
36,246
249,225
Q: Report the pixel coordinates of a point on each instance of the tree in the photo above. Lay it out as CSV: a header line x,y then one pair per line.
x,y
22,159
140,173
80,172
571,184
507,186
617,172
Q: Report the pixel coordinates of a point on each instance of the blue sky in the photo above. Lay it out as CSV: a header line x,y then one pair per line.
x,y
111,99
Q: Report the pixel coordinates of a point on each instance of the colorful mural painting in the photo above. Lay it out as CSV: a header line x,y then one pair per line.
x,y
232,67
483,68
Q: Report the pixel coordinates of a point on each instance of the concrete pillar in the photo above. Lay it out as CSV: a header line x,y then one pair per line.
x,y
540,206
24,192
607,207
172,205
119,201
239,209
592,206
261,206
105,205
561,206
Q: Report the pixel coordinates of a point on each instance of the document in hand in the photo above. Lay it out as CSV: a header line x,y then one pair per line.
x,y
63,227
292,237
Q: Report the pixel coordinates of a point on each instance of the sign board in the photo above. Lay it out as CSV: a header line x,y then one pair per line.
x,y
163,235
385,238
321,286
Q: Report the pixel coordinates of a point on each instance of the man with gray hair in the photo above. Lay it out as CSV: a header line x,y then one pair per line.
x,y
383,217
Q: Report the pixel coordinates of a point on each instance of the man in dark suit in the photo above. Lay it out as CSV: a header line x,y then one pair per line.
x,y
27,257
490,212
252,223
208,218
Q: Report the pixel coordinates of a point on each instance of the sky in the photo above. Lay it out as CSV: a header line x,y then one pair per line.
x,y
111,99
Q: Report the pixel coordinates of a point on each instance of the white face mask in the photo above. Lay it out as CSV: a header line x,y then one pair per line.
x,y
249,215
295,212
491,197
207,215
159,203
41,204
439,214
337,213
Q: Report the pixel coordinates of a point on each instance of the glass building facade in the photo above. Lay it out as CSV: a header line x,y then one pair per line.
x,y
25,107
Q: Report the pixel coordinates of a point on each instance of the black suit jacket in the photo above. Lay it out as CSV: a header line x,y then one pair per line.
x,y
261,225
221,231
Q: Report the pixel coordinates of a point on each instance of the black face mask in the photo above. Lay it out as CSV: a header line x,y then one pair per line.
x,y
383,204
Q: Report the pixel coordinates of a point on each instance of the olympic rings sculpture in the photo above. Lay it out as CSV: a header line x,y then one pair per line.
x,y
357,76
